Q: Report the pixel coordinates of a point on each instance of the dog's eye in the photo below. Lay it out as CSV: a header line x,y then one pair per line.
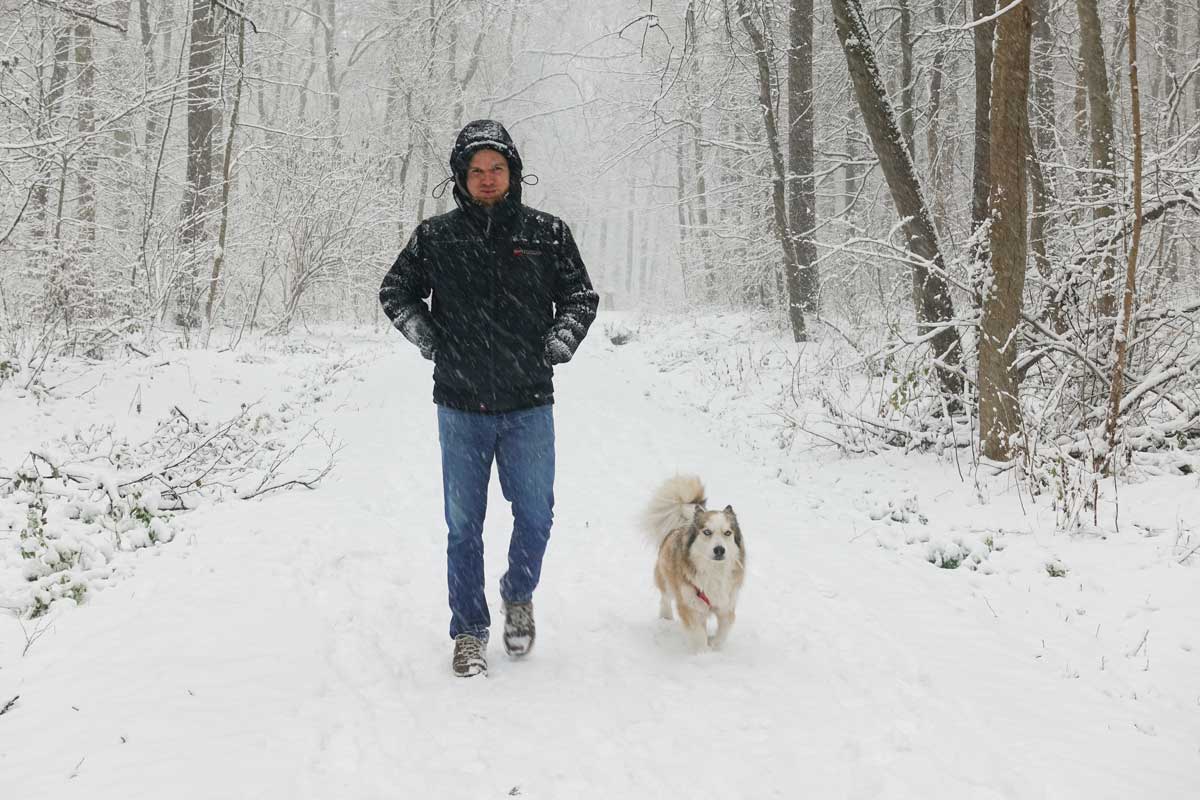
x,y
729,533
707,532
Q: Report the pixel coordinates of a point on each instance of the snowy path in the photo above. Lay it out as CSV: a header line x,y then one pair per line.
x,y
296,647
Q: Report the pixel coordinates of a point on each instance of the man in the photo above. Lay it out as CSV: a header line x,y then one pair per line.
x,y
510,299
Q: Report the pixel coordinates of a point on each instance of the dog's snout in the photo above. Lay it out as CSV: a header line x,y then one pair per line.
x,y
719,551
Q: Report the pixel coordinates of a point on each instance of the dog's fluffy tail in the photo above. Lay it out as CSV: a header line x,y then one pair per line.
x,y
673,505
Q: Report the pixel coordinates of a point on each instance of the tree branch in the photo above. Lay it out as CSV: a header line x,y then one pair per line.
x,y
81,14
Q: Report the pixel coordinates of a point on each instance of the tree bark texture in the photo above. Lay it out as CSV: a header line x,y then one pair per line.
x,y
85,110
1101,138
198,200
983,35
700,232
802,198
908,123
999,406
940,166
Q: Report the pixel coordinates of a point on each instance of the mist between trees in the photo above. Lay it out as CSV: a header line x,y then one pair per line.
x,y
983,204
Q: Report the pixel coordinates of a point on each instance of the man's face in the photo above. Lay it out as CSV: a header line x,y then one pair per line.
x,y
487,177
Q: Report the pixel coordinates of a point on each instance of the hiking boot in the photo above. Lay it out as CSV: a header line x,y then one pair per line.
x,y
519,631
470,656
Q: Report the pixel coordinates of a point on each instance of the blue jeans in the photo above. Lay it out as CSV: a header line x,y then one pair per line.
x,y
522,444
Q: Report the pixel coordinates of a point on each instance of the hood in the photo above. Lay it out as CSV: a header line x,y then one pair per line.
x,y
475,136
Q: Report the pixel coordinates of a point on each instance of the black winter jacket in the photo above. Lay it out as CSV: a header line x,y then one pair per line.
x,y
509,295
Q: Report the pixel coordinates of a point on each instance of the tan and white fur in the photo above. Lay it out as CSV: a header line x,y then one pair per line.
x,y
701,559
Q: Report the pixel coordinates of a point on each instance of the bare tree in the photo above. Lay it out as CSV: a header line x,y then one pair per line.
x,y
931,293
940,164
767,104
1042,145
227,177
1121,332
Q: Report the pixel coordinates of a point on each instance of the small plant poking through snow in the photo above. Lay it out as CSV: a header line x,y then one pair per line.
x,y
69,536
971,552
1056,569
619,333
906,509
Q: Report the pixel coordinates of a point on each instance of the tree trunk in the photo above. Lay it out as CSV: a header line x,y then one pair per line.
x,y
1164,77
999,407
194,236
151,73
931,294
940,165
1195,82
53,101
1101,137
85,110
1042,139
700,231
227,177
983,35
1121,335
1169,73
907,103
802,194
850,172
123,151
681,207
1081,110
333,81
766,104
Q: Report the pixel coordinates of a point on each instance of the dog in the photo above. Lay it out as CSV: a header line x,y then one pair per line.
x,y
701,559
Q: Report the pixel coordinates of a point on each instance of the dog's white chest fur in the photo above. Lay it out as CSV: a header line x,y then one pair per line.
x,y
716,580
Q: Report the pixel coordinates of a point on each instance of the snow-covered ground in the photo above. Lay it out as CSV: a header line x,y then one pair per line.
x,y
295,645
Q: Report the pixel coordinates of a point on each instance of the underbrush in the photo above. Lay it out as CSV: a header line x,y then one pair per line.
x,y
80,501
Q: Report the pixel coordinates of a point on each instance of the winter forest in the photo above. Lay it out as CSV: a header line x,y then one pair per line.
x,y
994,205
948,242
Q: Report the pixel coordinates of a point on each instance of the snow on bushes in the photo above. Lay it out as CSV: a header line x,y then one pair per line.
x,y
74,505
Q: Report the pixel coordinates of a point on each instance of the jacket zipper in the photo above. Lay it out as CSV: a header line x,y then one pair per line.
x,y
495,290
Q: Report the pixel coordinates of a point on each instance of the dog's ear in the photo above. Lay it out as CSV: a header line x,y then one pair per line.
x,y
729,510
